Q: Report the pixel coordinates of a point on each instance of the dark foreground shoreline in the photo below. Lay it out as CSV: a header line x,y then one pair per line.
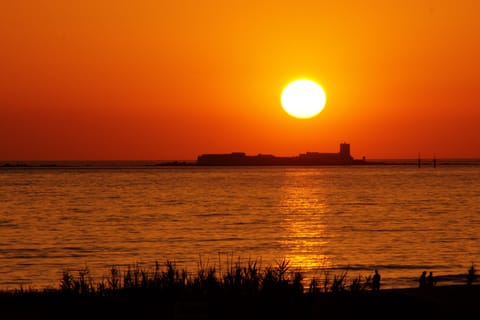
x,y
440,302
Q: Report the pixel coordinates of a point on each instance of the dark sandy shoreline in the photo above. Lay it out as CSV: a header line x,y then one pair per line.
x,y
440,302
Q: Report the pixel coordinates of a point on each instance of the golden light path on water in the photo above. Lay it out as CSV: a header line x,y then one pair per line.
x,y
305,229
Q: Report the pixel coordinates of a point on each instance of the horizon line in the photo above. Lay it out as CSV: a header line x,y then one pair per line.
x,y
194,160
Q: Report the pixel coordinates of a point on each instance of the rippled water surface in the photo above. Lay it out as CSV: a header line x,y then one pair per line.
x,y
398,218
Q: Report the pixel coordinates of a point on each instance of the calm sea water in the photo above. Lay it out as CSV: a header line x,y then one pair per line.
x,y
398,218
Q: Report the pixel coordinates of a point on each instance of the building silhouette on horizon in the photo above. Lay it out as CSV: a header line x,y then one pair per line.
x,y
343,157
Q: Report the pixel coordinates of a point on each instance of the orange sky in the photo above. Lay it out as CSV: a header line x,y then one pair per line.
x,y
161,80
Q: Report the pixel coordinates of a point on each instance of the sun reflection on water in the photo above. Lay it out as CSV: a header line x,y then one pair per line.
x,y
305,238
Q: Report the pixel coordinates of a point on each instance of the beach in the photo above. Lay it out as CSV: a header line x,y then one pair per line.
x,y
441,302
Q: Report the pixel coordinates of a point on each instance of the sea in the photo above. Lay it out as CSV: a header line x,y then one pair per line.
x,y
398,217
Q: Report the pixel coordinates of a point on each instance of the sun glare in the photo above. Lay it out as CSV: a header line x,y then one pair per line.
x,y
303,99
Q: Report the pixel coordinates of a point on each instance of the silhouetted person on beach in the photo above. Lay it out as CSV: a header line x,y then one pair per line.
x,y
471,275
422,281
376,281
431,280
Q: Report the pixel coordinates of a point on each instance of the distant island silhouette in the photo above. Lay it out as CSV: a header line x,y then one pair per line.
x,y
343,157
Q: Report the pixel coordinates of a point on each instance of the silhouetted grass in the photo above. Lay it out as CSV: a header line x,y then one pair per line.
x,y
241,279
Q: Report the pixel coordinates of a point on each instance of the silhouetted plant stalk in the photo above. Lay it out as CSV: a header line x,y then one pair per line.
x,y
83,284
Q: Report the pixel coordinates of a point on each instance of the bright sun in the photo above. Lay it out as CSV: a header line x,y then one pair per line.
x,y
303,99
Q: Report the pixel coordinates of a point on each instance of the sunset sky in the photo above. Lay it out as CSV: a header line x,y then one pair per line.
x,y
169,80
